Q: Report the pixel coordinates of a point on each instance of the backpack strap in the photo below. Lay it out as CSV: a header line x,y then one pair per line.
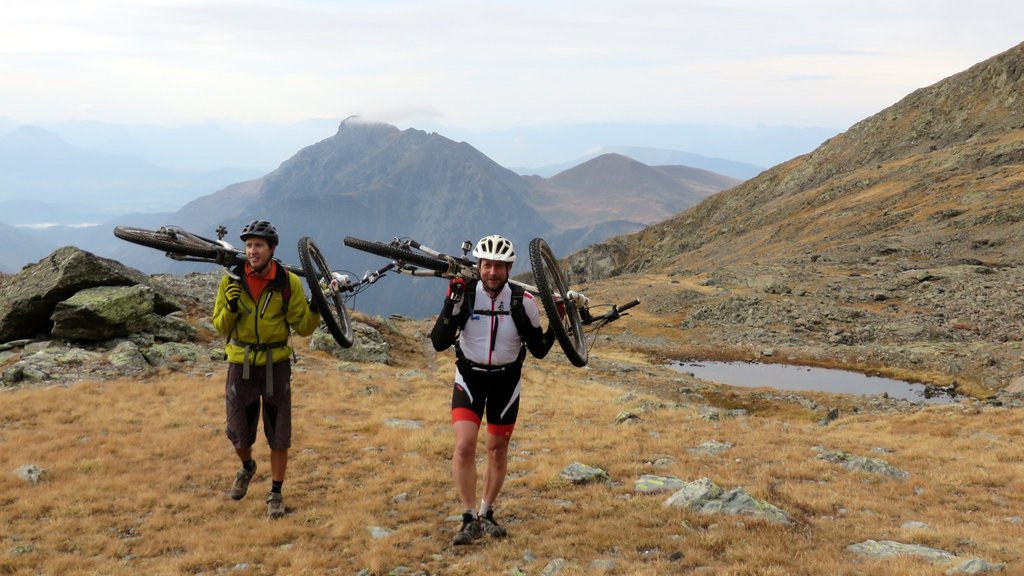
x,y
468,302
516,309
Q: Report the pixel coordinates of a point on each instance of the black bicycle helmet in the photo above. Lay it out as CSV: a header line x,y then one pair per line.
x,y
260,229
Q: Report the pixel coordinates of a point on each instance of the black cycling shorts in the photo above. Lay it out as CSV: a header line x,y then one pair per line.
x,y
495,392
243,399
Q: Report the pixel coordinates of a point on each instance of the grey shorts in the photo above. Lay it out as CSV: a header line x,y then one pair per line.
x,y
244,399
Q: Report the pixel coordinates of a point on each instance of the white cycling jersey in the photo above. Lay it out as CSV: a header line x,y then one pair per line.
x,y
490,336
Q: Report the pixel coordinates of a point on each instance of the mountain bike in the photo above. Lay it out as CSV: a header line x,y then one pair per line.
x,y
329,290
568,311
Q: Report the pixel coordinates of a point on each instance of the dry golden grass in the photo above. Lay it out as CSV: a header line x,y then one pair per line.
x,y
137,475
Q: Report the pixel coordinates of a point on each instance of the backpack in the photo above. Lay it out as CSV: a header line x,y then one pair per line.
x,y
516,309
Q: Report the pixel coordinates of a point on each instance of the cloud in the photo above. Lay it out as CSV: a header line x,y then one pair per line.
x,y
486,64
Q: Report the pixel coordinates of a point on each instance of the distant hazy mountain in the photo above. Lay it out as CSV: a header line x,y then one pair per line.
x,y
47,180
531,146
656,157
258,148
262,146
614,188
19,247
6,126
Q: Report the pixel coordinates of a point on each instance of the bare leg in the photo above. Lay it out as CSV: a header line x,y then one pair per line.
x,y
278,464
464,461
497,466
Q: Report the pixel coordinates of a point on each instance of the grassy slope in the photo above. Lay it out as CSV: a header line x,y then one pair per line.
x,y
138,472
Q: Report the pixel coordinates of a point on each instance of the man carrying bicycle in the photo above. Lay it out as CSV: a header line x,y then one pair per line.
x,y
256,310
492,324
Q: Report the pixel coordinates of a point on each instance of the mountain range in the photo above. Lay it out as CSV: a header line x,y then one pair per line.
x,y
377,181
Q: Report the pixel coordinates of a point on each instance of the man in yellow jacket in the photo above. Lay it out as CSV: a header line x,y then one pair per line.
x,y
258,304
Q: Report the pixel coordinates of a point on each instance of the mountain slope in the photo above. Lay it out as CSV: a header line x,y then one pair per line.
x,y
892,249
935,178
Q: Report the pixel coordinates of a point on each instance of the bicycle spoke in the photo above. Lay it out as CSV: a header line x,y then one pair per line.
x,y
553,290
331,304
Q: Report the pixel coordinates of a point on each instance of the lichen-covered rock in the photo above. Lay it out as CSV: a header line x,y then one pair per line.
x,y
28,298
579,473
706,497
102,313
369,344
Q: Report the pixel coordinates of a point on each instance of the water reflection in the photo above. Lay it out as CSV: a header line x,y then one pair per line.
x,y
789,377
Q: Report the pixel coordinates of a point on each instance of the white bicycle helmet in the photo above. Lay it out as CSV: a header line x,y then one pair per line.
x,y
495,247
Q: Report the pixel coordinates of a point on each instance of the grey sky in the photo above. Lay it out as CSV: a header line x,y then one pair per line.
x,y
484,65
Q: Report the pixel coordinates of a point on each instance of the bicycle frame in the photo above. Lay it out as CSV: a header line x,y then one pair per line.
x,y
462,267
568,311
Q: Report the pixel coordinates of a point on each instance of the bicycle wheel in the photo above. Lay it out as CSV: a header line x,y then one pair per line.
x,y
396,253
552,287
331,305
169,239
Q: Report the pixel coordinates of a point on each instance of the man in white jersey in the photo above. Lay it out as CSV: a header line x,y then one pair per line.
x,y
478,318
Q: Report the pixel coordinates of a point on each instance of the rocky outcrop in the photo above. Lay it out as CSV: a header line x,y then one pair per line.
x,y
29,300
74,315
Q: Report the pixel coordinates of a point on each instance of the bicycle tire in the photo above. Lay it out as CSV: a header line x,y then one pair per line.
x,y
398,254
331,305
169,239
551,284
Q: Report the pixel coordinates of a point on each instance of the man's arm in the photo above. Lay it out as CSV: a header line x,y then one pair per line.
x,y
538,342
446,327
224,314
301,317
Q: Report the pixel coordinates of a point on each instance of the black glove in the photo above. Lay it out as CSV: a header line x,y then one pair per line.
x,y
232,293
456,288
313,307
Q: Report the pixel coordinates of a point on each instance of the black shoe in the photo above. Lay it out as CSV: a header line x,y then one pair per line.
x,y
491,527
471,530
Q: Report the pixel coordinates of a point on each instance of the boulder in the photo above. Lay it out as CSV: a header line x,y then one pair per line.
x,y
1016,387
28,299
102,313
878,549
369,345
579,473
706,497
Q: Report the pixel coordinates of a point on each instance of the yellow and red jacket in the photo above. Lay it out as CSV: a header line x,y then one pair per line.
x,y
263,325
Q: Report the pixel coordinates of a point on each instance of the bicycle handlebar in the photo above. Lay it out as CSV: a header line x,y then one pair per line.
x,y
612,315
